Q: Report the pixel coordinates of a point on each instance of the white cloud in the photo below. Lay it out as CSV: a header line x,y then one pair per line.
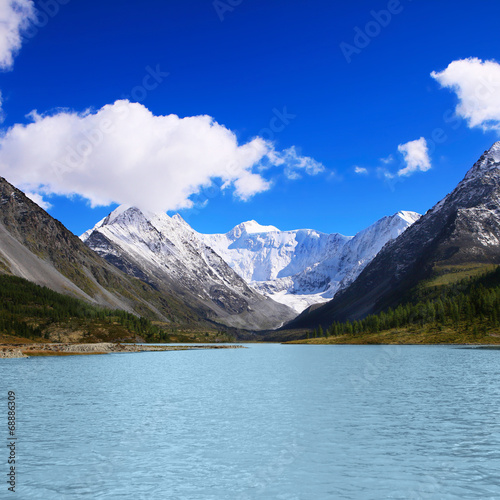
x,y
387,160
248,184
294,164
361,170
416,157
38,199
14,17
123,153
477,86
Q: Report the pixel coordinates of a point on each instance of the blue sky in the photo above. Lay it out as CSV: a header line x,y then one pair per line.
x,y
275,70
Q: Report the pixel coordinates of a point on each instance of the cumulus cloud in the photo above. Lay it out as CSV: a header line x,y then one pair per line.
x,y
416,157
360,170
15,16
477,86
249,184
122,153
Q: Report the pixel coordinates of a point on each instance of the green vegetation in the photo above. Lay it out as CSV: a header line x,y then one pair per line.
x,y
184,334
440,310
29,311
448,275
34,312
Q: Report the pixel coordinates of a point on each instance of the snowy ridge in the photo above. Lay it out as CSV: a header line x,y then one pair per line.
x,y
156,239
295,268
483,173
463,229
168,254
302,267
488,162
252,227
273,254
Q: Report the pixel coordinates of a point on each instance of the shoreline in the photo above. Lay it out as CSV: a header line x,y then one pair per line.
x,y
22,350
463,345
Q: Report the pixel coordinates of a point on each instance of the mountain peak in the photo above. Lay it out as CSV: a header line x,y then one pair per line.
x,y
460,232
123,213
489,161
492,155
180,222
494,152
117,213
496,146
251,227
408,216
126,215
178,218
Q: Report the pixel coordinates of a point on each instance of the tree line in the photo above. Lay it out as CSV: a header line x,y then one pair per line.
x,y
27,309
473,303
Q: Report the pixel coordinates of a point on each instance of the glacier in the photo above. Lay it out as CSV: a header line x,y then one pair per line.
x,y
296,268
303,267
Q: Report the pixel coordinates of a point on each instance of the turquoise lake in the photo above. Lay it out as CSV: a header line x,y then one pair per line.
x,y
266,422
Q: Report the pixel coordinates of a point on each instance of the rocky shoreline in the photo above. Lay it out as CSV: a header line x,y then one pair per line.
x,y
66,349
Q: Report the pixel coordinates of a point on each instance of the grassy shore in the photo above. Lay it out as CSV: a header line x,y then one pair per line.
x,y
412,335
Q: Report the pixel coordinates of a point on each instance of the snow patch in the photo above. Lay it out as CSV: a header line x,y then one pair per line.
x,y
297,268
303,267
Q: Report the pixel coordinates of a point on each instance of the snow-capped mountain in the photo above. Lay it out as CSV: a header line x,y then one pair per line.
x,y
302,267
38,248
264,253
166,253
461,231
252,277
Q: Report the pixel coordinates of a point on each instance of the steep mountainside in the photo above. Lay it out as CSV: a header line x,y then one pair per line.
x,y
40,249
166,253
463,228
30,311
303,267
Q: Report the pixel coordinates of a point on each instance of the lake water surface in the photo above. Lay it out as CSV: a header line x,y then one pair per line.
x,y
267,422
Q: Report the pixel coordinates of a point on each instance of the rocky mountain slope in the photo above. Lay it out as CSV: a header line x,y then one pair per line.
x,y
166,253
40,249
303,267
460,230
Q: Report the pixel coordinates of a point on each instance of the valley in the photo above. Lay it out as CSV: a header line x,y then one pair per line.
x,y
138,275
